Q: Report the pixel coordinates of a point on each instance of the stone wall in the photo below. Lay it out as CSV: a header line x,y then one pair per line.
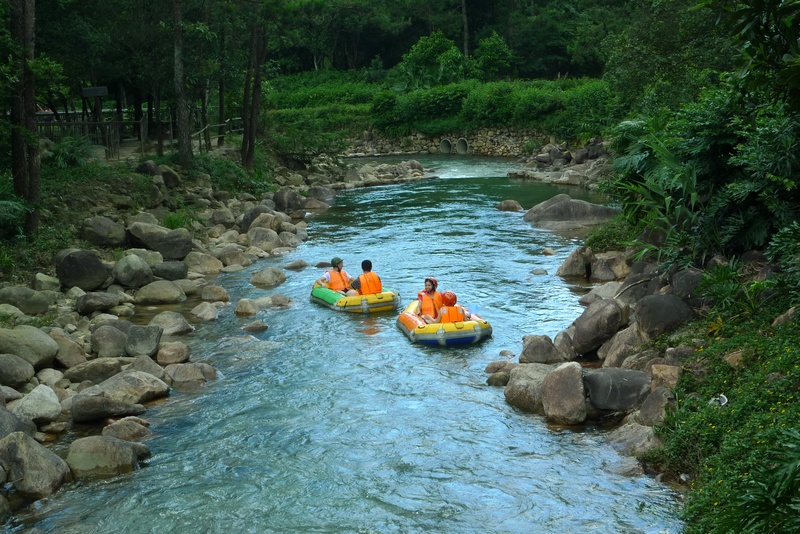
x,y
483,142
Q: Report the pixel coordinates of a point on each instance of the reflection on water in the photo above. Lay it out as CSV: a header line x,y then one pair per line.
x,y
329,422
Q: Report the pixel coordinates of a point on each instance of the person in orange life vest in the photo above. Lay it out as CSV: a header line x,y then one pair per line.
x,y
337,278
430,300
451,312
367,283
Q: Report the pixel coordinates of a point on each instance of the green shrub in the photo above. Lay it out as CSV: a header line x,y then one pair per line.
x,y
491,104
438,102
535,103
173,220
614,234
586,110
70,152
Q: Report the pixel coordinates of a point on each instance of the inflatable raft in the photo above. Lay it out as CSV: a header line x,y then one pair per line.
x,y
460,333
388,300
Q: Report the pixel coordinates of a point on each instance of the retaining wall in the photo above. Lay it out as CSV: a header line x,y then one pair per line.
x,y
483,142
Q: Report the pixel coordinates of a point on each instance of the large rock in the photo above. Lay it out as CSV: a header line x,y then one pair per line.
x,y
41,405
563,397
269,277
134,387
25,299
160,292
616,390
287,200
94,371
144,340
15,372
109,342
129,428
524,388
80,268
34,470
569,214
132,271
199,262
539,349
104,456
94,301
598,322
661,314
624,343
30,344
171,323
103,232
172,244
10,423
191,373
90,407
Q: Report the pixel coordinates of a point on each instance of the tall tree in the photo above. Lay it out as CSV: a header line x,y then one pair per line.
x,y
25,158
251,103
181,105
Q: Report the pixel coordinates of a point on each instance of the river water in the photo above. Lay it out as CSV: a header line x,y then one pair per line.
x,y
332,422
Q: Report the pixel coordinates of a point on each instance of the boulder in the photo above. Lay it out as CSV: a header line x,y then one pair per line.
x,y
15,372
616,390
144,340
104,456
539,349
109,342
134,387
598,322
95,301
92,407
199,262
160,292
524,388
171,323
41,405
94,371
80,268
172,244
269,277
128,429
661,314
34,470
563,398
191,373
30,344
132,271
25,299
103,232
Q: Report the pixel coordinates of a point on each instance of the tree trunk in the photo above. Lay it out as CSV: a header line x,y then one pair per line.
x,y
466,27
204,116
182,111
25,158
251,103
221,120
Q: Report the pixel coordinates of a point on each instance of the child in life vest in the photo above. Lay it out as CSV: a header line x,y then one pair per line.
x,y
451,312
430,301
337,278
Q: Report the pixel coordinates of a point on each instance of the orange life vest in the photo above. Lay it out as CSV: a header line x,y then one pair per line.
x,y
370,284
339,281
452,314
429,305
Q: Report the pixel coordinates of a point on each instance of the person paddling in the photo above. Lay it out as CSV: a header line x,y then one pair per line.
x,y
430,300
337,278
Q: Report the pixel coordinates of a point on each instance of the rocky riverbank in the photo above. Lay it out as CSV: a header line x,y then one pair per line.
x,y
96,339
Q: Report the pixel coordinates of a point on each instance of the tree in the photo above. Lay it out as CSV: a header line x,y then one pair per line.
x,y
181,105
769,34
493,57
25,158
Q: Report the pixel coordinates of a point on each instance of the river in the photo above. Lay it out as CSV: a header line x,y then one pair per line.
x,y
332,422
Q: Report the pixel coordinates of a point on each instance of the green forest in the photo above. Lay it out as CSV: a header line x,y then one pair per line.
x,y
699,101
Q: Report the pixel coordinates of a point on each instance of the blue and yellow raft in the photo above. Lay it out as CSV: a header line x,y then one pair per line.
x,y
460,333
